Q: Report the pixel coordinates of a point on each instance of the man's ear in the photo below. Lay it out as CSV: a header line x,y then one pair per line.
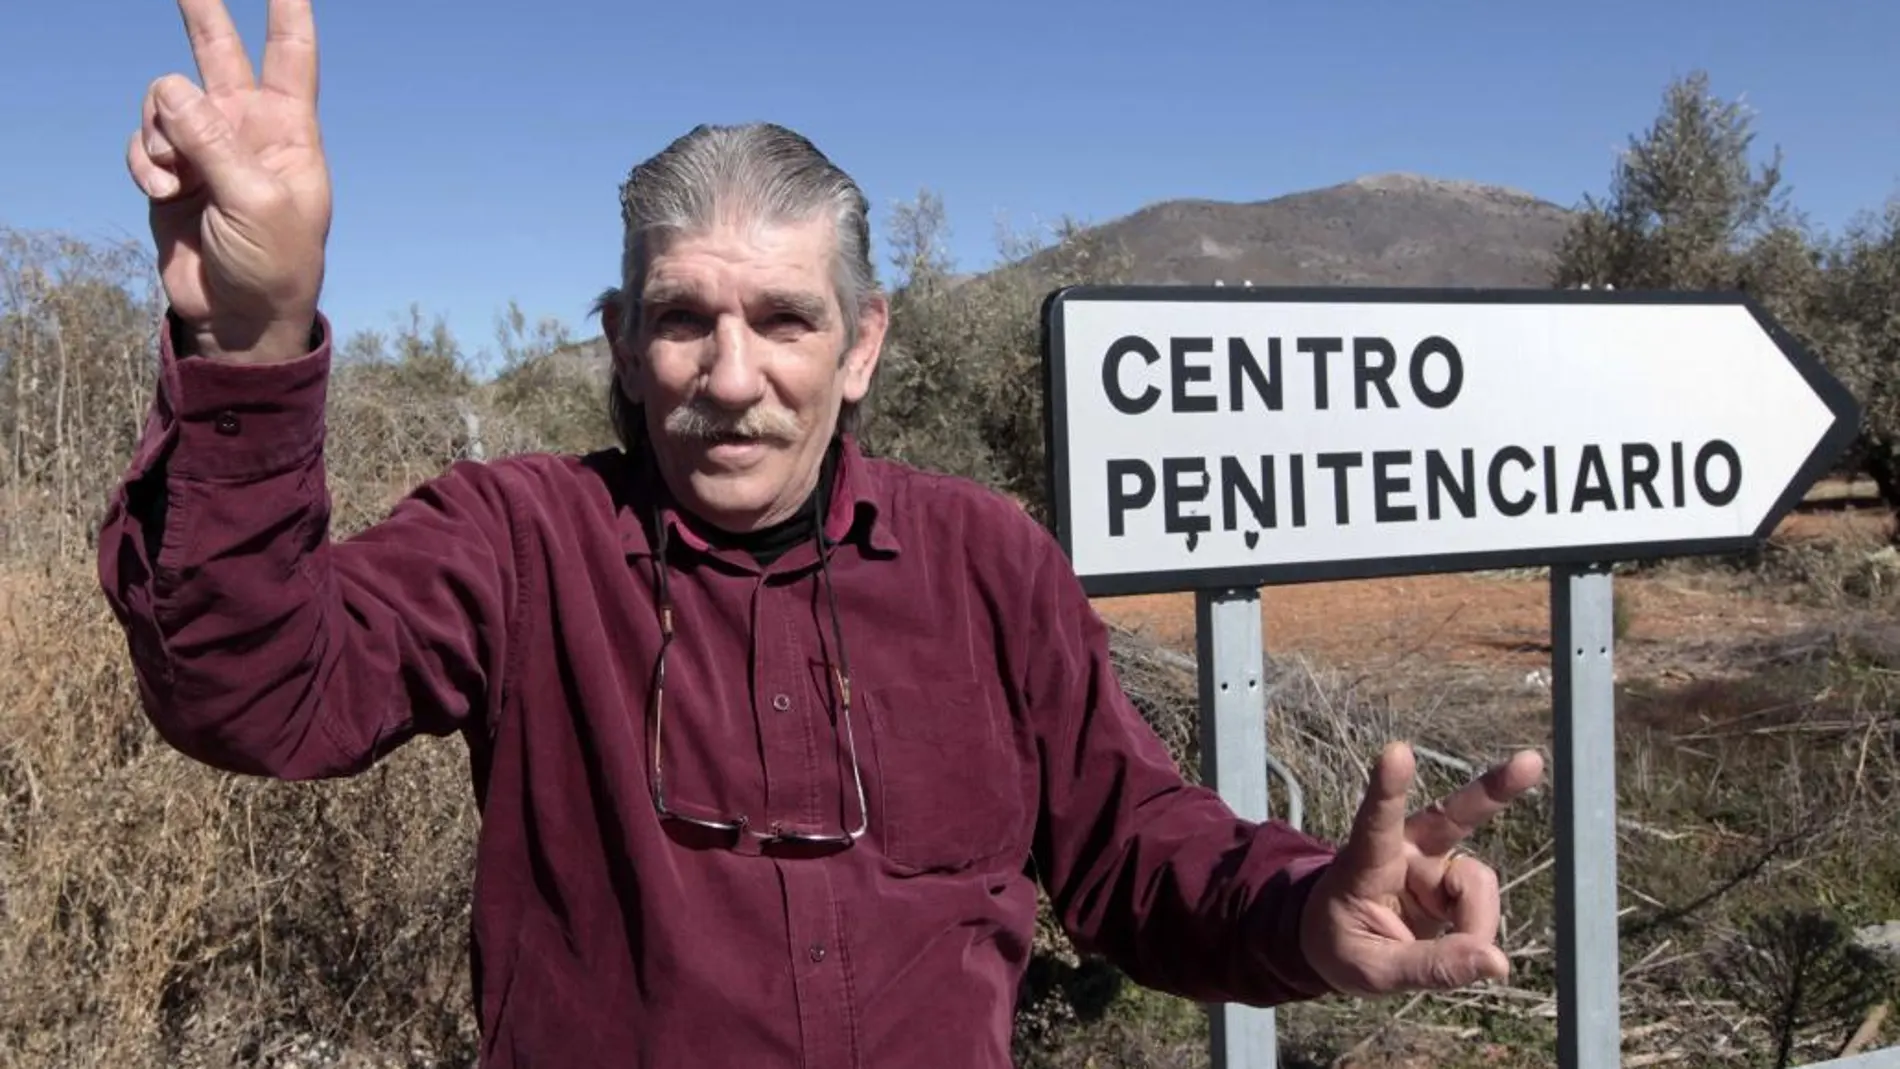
x,y
613,310
860,361
612,306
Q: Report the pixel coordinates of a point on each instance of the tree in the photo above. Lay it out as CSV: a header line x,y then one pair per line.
x,y
1800,971
1858,317
960,384
1688,209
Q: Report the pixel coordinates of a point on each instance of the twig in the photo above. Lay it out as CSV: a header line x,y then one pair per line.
x,y
1542,1006
1526,875
1677,914
1823,727
1637,893
1173,659
1521,994
1626,824
1649,958
1869,1028
1644,1031
1458,1031
1729,722
1445,759
1860,766
1651,966
1636,1061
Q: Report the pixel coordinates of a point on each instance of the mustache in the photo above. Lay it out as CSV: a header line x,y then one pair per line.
x,y
698,421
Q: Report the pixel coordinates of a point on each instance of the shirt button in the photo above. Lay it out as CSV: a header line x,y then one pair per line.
x,y
817,952
227,424
781,702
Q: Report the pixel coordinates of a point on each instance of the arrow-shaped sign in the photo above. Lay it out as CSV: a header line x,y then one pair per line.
x,y
1204,437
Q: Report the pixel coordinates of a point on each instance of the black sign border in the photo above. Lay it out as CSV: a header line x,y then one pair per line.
x,y
1832,446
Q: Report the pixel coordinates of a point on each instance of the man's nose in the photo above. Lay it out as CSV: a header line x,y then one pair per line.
x,y
733,379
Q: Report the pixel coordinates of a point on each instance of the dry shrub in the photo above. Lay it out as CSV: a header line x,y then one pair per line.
x,y
161,913
960,384
550,390
1753,797
1854,568
1799,972
77,329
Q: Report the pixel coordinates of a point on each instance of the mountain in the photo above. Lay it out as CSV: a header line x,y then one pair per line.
x,y
1380,230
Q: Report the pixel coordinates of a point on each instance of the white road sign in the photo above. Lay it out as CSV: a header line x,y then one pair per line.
x,y
1210,437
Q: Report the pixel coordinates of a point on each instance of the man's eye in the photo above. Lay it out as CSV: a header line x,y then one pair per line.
x,y
676,319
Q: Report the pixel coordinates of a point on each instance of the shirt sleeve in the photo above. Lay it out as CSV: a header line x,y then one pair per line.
x,y
1156,874
259,644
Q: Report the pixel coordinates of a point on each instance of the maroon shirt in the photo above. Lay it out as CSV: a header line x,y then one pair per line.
x,y
512,603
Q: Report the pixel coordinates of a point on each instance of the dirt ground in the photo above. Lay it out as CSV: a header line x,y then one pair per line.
x,y
1680,622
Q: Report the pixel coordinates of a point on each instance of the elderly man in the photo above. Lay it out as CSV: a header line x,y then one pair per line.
x,y
774,742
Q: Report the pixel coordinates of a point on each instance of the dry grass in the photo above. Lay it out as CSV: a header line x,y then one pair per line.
x,y
159,913
76,336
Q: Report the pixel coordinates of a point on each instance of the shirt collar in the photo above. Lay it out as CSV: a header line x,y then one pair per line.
x,y
859,508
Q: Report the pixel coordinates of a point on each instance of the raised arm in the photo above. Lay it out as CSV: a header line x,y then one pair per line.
x,y
261,645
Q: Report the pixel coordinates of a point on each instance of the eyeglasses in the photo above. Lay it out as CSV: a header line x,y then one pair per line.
x,y
739,829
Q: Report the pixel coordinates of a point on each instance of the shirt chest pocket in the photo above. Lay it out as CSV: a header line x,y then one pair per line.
x,y
948,793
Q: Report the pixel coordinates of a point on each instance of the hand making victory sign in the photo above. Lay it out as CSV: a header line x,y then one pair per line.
x,y
1403,908
240,195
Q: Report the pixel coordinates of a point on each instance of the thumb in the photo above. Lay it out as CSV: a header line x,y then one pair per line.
x,y
199,133
1454,961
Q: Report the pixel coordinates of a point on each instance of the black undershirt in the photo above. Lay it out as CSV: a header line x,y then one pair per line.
x,y
768,544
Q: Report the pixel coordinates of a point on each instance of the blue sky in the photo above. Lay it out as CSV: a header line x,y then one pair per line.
x,y
477,146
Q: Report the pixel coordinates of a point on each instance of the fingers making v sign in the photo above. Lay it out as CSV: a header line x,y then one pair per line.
x,y
1403,908
239,189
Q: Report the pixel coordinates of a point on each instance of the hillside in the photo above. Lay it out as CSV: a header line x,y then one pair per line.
x,y
1379,230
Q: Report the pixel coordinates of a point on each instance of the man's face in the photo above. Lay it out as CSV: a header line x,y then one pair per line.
x,y
739,357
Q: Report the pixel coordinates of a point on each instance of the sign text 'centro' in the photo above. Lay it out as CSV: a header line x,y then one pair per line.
x,y
1267,437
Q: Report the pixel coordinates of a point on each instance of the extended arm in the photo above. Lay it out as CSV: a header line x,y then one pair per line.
x,y
1156,874
1164,879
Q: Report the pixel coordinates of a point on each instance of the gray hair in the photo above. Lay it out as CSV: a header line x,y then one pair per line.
x,y
756,172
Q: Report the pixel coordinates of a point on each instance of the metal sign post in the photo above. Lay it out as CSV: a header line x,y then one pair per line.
x,y
1231,660
1220,439
1583,693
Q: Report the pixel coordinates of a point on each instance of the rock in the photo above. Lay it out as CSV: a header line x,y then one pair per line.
x,y
1882,939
